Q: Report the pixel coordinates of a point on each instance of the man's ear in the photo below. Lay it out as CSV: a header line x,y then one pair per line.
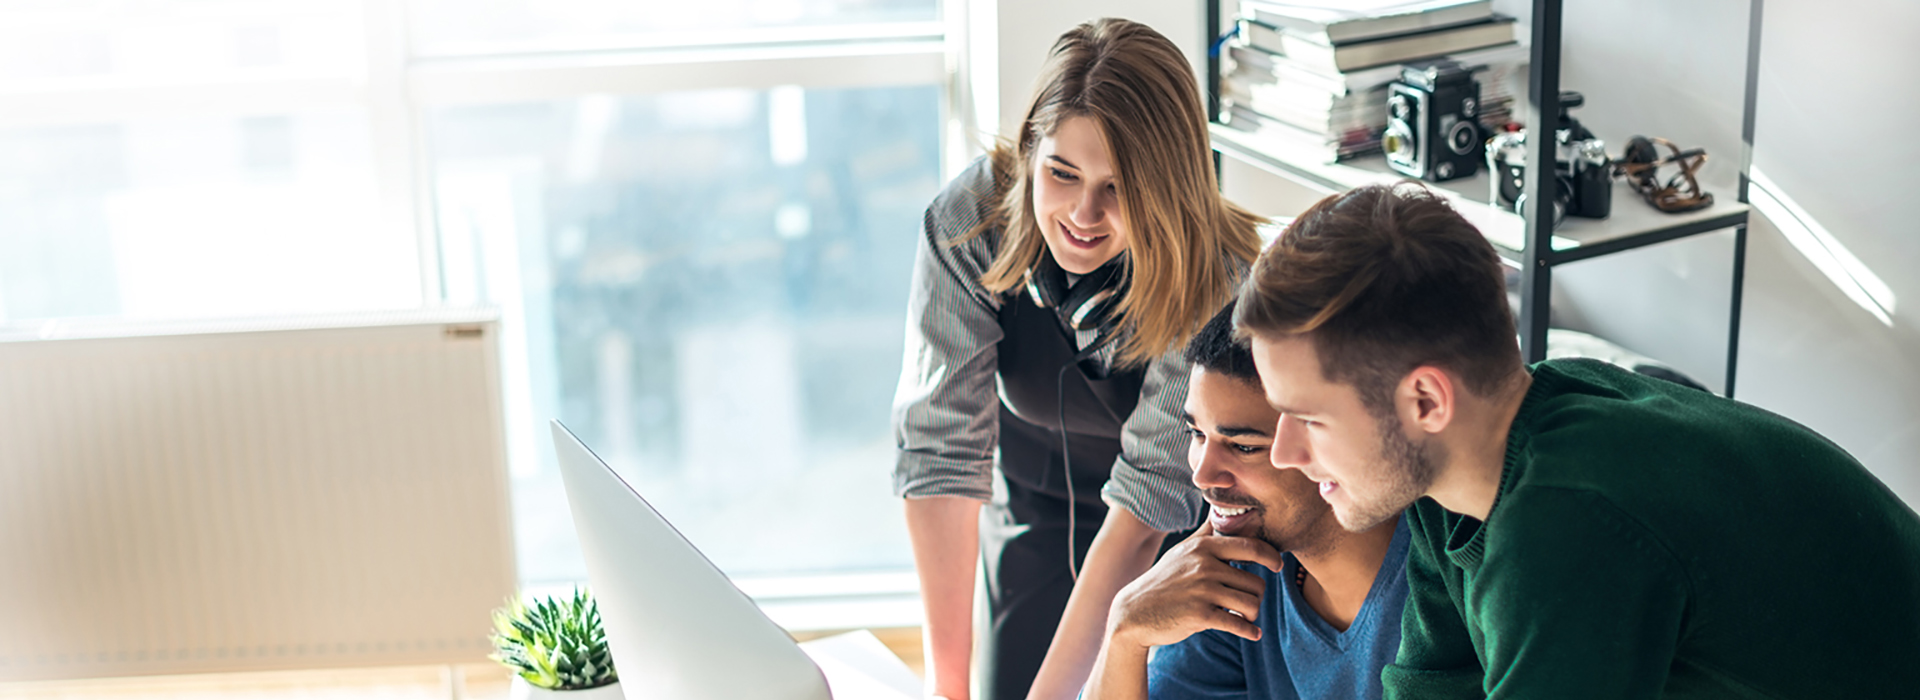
x,y
1426,399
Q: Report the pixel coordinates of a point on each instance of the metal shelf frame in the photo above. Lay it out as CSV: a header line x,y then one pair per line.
x,y
1540,250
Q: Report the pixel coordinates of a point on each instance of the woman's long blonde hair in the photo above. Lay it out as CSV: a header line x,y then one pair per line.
x,y
1182,235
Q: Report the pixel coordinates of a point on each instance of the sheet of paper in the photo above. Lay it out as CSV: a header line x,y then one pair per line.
x,y
859,667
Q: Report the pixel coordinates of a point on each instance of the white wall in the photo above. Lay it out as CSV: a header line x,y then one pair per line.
x,y
1837,102
1006,58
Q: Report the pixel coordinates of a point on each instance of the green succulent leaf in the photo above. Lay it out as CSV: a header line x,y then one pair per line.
x,y
555,643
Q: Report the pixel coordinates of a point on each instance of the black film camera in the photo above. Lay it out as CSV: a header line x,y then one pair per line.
x,y
1580,166
1433,129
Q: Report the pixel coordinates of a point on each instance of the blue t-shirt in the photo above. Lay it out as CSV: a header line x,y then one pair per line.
x,y
1299,655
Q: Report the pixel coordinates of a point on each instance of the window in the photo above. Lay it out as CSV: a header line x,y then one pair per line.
x,y
713,284
698,220
701,244
156,159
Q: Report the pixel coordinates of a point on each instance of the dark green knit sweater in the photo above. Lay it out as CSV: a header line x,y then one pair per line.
x,y
1650,540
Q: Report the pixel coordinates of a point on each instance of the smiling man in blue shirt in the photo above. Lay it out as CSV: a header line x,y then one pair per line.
x,y
1272,599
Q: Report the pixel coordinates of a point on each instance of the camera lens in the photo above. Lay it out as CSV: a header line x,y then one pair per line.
x,y
1562,199
1559,208
1462,137
1398,143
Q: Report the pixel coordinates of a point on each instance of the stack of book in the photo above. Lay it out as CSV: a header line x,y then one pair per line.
x,y
1310,78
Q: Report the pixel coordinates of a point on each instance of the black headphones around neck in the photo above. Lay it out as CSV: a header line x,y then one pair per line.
x,y
1089,303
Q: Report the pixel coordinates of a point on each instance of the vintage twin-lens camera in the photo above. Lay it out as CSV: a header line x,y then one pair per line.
x,y
1580,166
1433,127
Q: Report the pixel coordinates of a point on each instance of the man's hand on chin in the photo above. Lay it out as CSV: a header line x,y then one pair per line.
x,y
1193,588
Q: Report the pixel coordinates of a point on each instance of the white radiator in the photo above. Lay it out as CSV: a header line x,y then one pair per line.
x,y
244,499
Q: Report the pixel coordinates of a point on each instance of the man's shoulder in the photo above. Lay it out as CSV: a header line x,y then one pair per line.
x,y
1617,409
1642,442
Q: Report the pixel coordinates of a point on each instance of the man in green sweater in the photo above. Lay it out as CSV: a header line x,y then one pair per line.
x,y
1579,531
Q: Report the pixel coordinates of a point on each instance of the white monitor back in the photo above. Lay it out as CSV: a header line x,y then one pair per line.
x,y
677,627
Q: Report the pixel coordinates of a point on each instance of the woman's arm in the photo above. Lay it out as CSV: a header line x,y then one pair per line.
x,y
1120,553
1120,674
946,421
945,532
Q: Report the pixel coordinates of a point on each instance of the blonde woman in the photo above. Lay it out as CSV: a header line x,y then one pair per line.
x,y
1056,283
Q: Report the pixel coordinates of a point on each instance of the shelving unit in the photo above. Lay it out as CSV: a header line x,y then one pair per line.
x,y
1528,241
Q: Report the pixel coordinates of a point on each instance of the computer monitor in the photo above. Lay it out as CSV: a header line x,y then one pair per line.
x,y
677,627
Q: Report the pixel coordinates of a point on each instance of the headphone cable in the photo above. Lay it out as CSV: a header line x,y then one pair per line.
x,y
1066,455
1060,389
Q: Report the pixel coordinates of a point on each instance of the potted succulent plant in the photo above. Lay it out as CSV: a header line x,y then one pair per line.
x,y
555,648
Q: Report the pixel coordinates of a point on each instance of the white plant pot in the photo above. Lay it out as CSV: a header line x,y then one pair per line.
x,y
522,690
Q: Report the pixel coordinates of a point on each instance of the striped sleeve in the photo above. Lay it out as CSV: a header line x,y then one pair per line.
x,y
946,407
1151,478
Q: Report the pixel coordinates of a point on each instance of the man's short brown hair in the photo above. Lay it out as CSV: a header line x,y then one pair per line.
x,y
1383,279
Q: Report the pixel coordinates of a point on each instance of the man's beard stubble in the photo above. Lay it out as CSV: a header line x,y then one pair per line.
x,y
1409,468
